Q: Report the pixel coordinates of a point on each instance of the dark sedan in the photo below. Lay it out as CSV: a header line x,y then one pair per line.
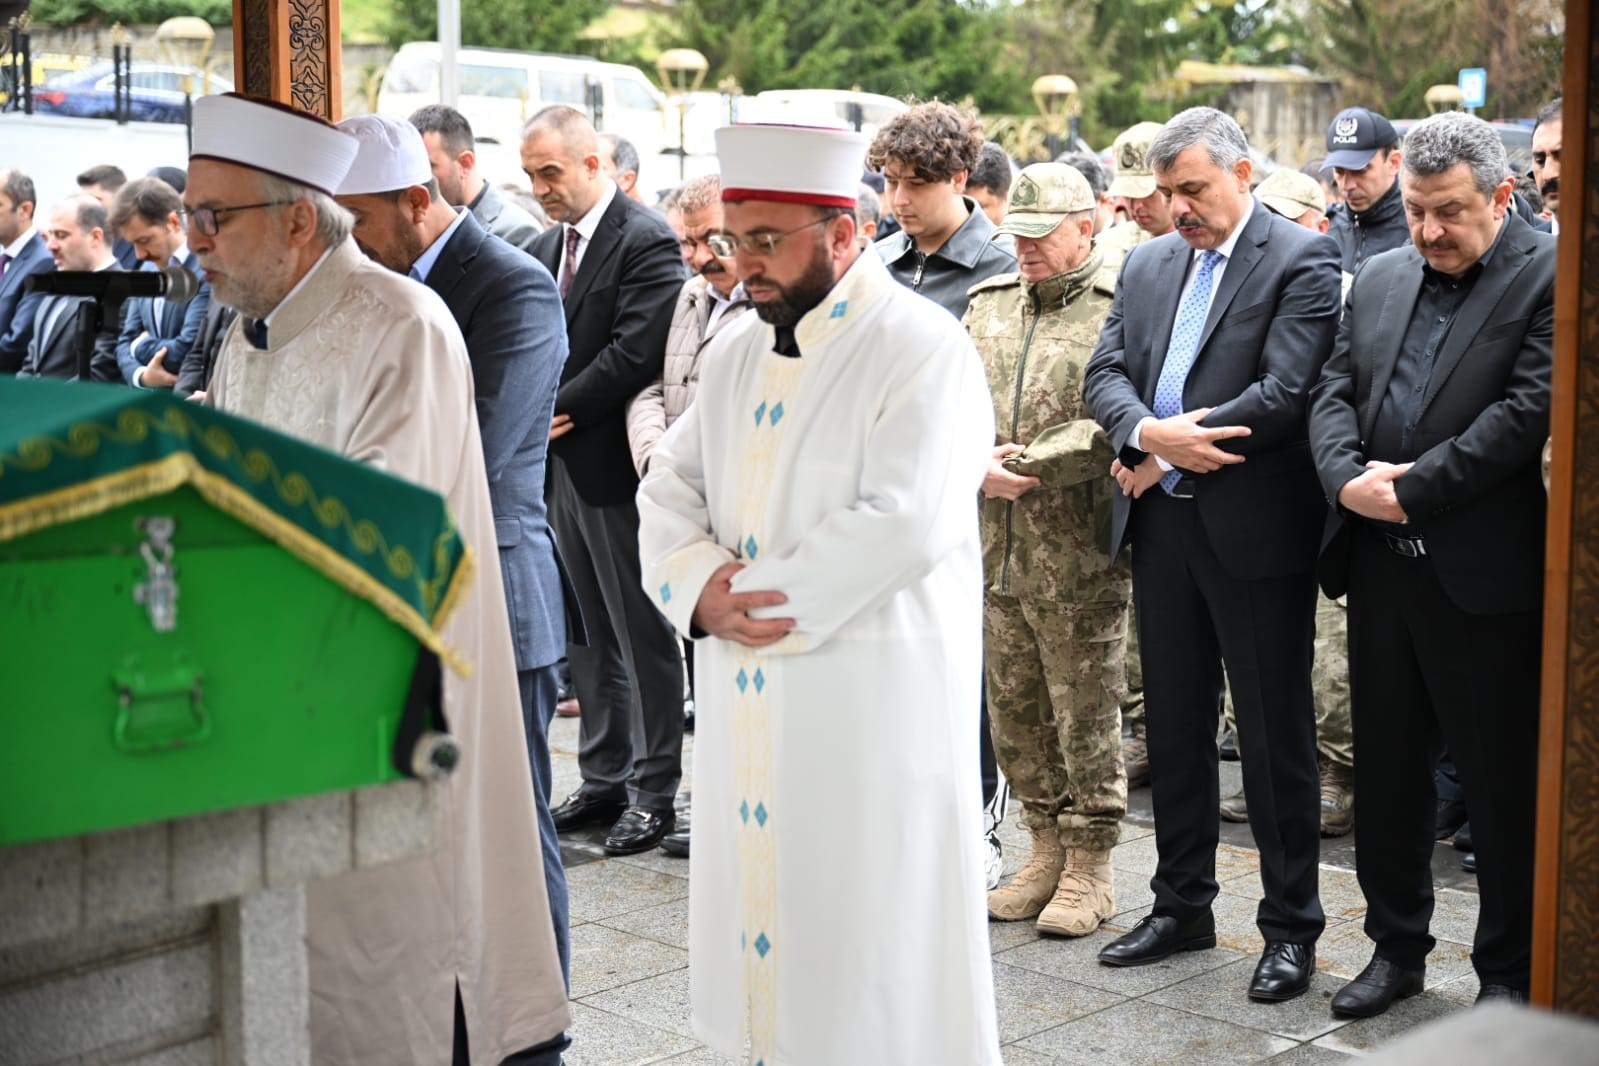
x,y
155,92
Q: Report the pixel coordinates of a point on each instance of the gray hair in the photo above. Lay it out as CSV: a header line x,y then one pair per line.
x,y
868,206
1222,137
1445,140
333,223
623,154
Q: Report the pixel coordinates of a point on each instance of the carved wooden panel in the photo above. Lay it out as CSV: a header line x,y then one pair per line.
x,y
288,50
253,47
310,61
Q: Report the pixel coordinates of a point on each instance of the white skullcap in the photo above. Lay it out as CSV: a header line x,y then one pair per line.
x,y
273,138
791,164
392,156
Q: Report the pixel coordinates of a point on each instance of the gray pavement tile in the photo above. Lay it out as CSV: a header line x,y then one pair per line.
x,y
602,890
667,923
1136,855
1365,1035
1233,861
1075,961
1344,951
1002,936
699,1057
603,1039
1220,995
1462,990
604,958
1144,1034
1133,892
1030,1002
659,1002
1454,916
657,860
1020,1056
1309,1055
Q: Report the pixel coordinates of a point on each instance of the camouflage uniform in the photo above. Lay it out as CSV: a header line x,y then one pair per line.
x,y
1055,611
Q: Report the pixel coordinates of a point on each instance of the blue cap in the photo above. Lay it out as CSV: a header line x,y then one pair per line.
x,y
1355,136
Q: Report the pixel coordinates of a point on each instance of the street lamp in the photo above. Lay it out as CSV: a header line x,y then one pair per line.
x,y
186,42
1443,97
681,70
1056,97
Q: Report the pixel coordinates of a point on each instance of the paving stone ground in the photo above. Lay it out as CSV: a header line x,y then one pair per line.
x,y
1057,1005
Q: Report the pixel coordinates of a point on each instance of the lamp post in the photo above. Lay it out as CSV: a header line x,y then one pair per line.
x,y
1443,97
186,42
682,70
1056,97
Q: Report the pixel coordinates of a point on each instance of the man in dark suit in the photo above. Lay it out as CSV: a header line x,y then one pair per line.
x,y
619,269
1427,425
1200,378
102,183
156,333
452,152
195,374
76,236
22,254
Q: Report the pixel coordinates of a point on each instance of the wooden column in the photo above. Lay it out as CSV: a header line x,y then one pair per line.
x,y
289,51
1565,972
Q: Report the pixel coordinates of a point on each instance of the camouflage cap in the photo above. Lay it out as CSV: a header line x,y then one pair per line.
x,y
1041,198
1134,179
1291,193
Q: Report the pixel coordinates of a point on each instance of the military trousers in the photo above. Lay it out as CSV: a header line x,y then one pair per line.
x,y
1329,685
1056,675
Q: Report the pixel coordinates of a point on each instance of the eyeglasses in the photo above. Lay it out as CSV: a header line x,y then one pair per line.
x,y
205,219
1540,158
756,243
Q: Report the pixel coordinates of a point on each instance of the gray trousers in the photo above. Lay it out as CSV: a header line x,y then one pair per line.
x,y
629,679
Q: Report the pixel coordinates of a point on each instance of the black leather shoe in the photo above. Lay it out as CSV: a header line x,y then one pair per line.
x,y
1228,748
1468,862
1283,971
1376,988
1501,994
1156,937
638,830
675,843
579,810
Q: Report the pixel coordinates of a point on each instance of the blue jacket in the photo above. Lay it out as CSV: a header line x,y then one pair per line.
x,y
176,331
510,313
18,306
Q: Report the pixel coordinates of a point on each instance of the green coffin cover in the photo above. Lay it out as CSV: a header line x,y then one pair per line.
x,y
70,451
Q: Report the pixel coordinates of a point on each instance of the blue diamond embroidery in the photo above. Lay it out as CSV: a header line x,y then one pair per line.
x,y
744,810
763,945
760,814
760,679
839,309
742,681
777,414
760,412
750,547
666,593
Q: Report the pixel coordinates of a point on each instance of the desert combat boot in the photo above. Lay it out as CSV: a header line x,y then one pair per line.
x,y
1034,884
1085,897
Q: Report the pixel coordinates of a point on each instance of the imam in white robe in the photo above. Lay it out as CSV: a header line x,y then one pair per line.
x,y
368,363
836,897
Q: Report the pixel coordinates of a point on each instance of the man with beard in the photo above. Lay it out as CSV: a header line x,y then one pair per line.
x,y
452,153
510,316
1363,154
1546,159
809,520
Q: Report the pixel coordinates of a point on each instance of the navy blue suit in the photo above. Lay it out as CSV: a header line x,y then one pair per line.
x,y
510,313
18,306
176,329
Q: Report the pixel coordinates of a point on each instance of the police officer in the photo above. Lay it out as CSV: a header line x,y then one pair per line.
x,y
1363,154
1055,621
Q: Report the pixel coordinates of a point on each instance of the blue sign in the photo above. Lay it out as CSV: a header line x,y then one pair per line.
x,y
1473,87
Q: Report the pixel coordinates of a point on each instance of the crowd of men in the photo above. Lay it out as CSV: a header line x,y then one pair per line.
x,y
1018,483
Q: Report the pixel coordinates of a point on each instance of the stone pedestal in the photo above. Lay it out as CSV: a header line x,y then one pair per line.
x,y
183,943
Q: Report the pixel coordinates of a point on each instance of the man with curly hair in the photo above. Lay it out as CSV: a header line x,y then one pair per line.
x,y
945,243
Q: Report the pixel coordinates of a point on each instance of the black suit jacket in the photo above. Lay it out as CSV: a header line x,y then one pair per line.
x,y
195,373
618,313
53,351
510,314
1269,330
1476,490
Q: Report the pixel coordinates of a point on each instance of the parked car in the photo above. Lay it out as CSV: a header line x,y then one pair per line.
x,y
155,94
46,65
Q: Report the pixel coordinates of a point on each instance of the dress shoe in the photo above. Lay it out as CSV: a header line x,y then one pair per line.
x,y
675,843
1463,840
1468,862
1450,817
1337,800
567,709
1156,937
638,830
1283,971
1376,988
580,809
1234,808
1228,748
1501,994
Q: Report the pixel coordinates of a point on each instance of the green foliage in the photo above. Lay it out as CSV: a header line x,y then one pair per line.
x,y
528,25
127,12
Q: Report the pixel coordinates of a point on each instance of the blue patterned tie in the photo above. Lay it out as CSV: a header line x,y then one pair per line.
x,y
1184,346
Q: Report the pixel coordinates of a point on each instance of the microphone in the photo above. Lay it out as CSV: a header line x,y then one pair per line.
x,y
173,283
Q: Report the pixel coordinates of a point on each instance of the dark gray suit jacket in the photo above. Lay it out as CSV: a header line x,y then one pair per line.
x,y
510,314
17,305
506,221
1476,490
1269,330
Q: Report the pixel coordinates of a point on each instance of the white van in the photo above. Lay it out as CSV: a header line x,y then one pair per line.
x,y
501,89
822,107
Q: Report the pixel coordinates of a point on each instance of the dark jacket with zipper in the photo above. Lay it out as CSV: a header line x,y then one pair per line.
x,y
968,257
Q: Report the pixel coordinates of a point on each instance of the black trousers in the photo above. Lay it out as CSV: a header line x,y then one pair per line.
x,y
1193,617
1424,673
629,679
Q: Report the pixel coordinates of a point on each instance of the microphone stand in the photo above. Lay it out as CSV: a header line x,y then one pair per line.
x,y
96,315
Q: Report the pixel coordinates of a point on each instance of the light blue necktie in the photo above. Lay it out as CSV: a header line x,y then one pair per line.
x,y
1184,346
